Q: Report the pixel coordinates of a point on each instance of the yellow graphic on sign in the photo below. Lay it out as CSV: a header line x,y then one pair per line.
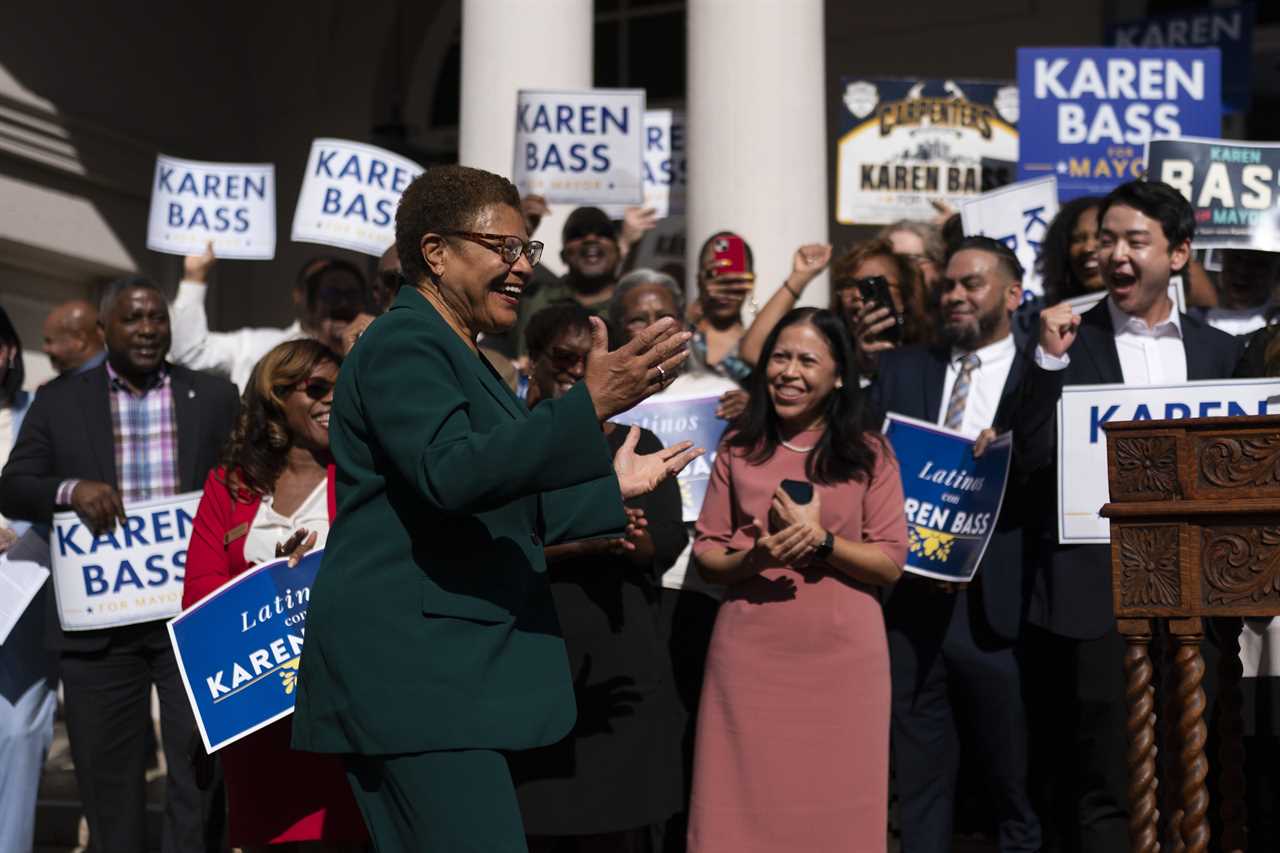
x,y
289,674
930,544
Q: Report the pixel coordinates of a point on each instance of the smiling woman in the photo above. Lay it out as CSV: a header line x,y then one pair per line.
x,y
432,640
272,490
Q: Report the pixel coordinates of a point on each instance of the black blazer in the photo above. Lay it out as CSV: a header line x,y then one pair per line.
x,y
1072,590
910,382
67,434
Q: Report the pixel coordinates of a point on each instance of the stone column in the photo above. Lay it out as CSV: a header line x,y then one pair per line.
x,y
509,45
757,139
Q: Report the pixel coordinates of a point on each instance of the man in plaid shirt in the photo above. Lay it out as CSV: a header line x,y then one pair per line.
x,y
132,429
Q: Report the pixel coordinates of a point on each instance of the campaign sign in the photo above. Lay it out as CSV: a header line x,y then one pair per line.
x,y
1233,186
239,648
584,147
1230,29
232,204
688,419
903,143
952,500
131,574
665,173
1082,443
349,196
1018,216
1088,112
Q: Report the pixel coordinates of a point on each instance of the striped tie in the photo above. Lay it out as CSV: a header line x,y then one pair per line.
x,y
960,391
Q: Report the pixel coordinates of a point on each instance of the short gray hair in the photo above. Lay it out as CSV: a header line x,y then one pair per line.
x,y
636,278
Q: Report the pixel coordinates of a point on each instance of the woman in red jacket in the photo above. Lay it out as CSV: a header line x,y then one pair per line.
x,y
273,494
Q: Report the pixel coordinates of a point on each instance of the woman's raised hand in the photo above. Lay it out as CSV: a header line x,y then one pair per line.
x,y
618,380
641,473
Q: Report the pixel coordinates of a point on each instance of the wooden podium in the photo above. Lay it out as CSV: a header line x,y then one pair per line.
x,y
1195,534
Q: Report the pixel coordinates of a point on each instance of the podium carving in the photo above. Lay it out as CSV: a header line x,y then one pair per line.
x,y
1195,535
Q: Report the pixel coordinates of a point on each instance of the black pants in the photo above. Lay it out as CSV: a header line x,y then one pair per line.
x,y
108,711
953,676
1078,713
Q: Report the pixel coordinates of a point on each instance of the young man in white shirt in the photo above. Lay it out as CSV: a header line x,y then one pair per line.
x,y
1135,336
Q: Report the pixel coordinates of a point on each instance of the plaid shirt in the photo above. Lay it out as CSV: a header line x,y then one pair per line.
x,y
145,432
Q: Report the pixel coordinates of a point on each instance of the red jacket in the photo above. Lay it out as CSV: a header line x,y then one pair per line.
x,y
309,797
212,560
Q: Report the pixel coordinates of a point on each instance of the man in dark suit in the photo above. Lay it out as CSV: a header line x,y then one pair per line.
x,y
1137,337
132,429
952,645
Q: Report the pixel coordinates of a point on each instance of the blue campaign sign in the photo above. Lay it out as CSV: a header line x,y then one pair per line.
x,y
1087,113
690,419
952,500
239,647
1229,29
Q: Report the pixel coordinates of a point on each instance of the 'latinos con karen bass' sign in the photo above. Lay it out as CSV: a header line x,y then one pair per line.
x,y
349,196
231,204
1088,113
128,575
580,147
239,649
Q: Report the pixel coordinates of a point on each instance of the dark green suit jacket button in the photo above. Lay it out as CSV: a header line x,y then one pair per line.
x,y
537,540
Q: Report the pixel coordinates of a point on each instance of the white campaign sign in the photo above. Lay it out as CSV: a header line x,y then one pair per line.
x,y
349,196
232,204
583,147
1082,443
132,574
665,174
1017,215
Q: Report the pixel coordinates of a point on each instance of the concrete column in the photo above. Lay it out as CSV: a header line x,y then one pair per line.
x,y
509,45
757,141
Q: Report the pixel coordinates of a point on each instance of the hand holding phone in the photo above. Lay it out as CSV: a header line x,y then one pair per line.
x,y
876,289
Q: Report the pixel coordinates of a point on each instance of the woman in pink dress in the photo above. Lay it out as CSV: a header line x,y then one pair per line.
x,y
792,749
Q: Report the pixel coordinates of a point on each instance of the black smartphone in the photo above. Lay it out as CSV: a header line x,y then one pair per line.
x,y
798,490
876,289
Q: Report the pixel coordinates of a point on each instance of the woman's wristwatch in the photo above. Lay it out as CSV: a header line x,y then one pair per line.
x,y
828,545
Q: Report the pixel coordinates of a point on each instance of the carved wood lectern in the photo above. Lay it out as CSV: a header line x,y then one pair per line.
x,y
1195,534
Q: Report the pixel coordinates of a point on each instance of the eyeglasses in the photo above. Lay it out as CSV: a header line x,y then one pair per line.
x,y
316,389
509,246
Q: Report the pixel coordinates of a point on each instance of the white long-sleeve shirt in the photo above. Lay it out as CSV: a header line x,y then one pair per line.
x,y
229,354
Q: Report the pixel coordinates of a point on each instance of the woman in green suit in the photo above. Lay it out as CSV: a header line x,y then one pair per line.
x,y
432,640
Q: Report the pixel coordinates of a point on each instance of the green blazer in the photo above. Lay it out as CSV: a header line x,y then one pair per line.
x,y
431,624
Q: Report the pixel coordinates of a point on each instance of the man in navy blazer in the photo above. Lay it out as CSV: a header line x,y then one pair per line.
x,y
1134,336
952,645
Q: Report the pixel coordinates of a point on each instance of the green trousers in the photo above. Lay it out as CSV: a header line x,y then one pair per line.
x,y
438,802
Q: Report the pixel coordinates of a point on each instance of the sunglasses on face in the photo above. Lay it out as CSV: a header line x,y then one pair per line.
x,y
509,246
315,389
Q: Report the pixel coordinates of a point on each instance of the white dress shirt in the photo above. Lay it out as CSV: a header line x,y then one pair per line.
x,y
986,385
1149,355
1238,321
270,528
229,354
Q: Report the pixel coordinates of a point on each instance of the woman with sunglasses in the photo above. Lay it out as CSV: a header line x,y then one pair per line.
x,y
272,496
433,648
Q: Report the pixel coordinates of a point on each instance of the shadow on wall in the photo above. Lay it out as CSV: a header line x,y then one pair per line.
x,y
91,95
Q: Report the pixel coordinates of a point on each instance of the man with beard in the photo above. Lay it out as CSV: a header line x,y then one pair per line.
x,y
592,255
952,644
1135,336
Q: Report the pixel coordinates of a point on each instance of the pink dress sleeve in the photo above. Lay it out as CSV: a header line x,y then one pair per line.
x,y
715,524
884,522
